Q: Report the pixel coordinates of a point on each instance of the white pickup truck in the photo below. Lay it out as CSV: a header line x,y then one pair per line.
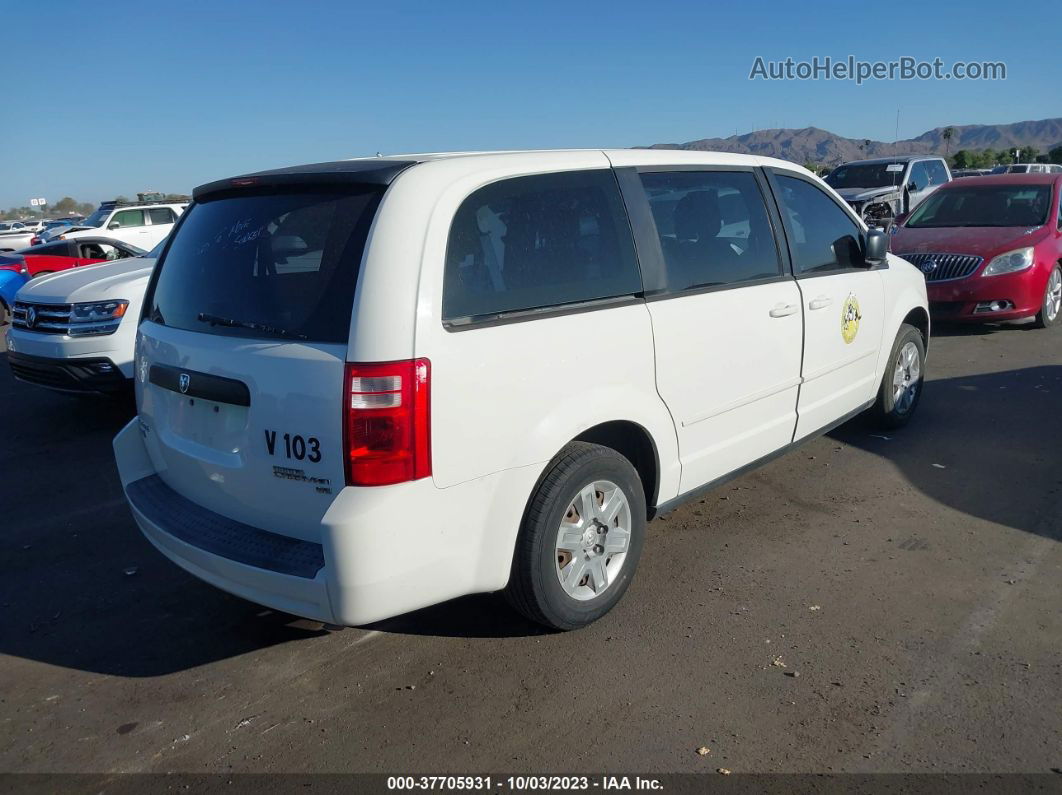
x,y
15,235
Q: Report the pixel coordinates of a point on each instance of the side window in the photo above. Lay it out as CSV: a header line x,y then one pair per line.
x,y
1060,213
713,227
919,178
938,175
127,218
161,215
823,236
93,251
539,241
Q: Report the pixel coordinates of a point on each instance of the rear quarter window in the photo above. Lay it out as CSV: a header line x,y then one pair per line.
x,y
539,241
281,265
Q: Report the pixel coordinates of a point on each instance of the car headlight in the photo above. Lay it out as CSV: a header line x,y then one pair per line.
x,y
97,317
1011,262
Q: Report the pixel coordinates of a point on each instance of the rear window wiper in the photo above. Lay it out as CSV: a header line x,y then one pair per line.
x,y
216,320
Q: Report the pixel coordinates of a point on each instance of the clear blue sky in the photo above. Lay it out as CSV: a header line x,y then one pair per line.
x,y
122,96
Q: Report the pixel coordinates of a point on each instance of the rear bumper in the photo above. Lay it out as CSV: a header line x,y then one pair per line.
x,y
88,374
382,551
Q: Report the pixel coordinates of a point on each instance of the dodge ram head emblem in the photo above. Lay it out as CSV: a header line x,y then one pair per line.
x,y
31,317
183,381
929,266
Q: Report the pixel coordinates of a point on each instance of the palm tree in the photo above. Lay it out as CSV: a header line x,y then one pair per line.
x,y
947,135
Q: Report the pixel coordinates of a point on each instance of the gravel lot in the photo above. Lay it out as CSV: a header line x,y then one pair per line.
x,y
863,604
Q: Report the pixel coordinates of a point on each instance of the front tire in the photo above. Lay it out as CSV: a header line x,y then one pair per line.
x,y
580,540
1051,308
901,386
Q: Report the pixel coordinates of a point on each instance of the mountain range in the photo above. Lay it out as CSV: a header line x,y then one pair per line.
x,y
822,146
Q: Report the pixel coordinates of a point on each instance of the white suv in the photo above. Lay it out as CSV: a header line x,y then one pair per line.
x,y
74,331
369,386
142,224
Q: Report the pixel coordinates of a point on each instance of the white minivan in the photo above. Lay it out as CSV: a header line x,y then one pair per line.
x,y
369,386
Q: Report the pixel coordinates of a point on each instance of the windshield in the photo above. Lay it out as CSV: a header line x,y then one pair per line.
x,y
990,205
866,175
267,264
98,217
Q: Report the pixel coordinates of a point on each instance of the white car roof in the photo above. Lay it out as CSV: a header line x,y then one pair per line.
x,y
618,158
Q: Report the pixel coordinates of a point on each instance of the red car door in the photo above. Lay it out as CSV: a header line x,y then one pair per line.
x,y
38,264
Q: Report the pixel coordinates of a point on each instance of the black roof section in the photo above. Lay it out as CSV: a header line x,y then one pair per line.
x,y
367,171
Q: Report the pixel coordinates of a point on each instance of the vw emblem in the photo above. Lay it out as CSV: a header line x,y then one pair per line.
x,y
183,382
929,266
31,317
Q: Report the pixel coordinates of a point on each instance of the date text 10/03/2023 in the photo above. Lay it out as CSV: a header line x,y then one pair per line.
x,y
521,783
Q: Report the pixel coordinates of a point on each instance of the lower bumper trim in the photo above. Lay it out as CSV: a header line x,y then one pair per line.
x,y
218,535
97,374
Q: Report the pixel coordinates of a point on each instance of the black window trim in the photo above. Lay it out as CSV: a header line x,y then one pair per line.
x,y
772,172
471,322
647,238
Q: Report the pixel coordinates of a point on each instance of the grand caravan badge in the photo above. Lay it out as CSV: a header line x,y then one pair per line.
x,y
850,317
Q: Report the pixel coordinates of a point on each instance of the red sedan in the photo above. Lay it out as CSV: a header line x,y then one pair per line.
x,y
64,254
990,248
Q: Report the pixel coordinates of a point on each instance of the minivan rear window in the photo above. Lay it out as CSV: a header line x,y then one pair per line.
x,y
275,265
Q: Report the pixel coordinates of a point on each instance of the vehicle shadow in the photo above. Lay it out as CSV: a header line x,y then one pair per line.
x,y
986,445
80,587
943,328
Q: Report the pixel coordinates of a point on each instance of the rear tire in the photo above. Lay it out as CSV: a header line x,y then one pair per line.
x,y
5,314
901,386
1051,307
580,540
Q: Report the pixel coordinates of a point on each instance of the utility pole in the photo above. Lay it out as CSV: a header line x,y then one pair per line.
x,y
896,135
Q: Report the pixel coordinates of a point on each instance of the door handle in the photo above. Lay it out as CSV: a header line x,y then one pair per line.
x,y
821,302
784,310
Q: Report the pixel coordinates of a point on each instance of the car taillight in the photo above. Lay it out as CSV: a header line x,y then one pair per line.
x,y
35,241
387,422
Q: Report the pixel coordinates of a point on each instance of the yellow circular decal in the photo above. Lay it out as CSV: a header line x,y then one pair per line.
x,y
850,318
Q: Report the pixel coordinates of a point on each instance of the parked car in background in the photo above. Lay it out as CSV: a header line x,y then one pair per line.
x,y
879,190
50,225
141,224
505,380
17,235
990,248
75,331
64,254
12,277
1032,168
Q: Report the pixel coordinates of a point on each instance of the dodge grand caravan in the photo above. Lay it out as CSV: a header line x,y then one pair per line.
x,y
369,386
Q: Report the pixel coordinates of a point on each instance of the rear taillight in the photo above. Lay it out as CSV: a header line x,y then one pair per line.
x,y
387,422
34,241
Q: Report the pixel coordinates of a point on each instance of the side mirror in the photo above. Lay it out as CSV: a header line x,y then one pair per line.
x,y
114,225
877,247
